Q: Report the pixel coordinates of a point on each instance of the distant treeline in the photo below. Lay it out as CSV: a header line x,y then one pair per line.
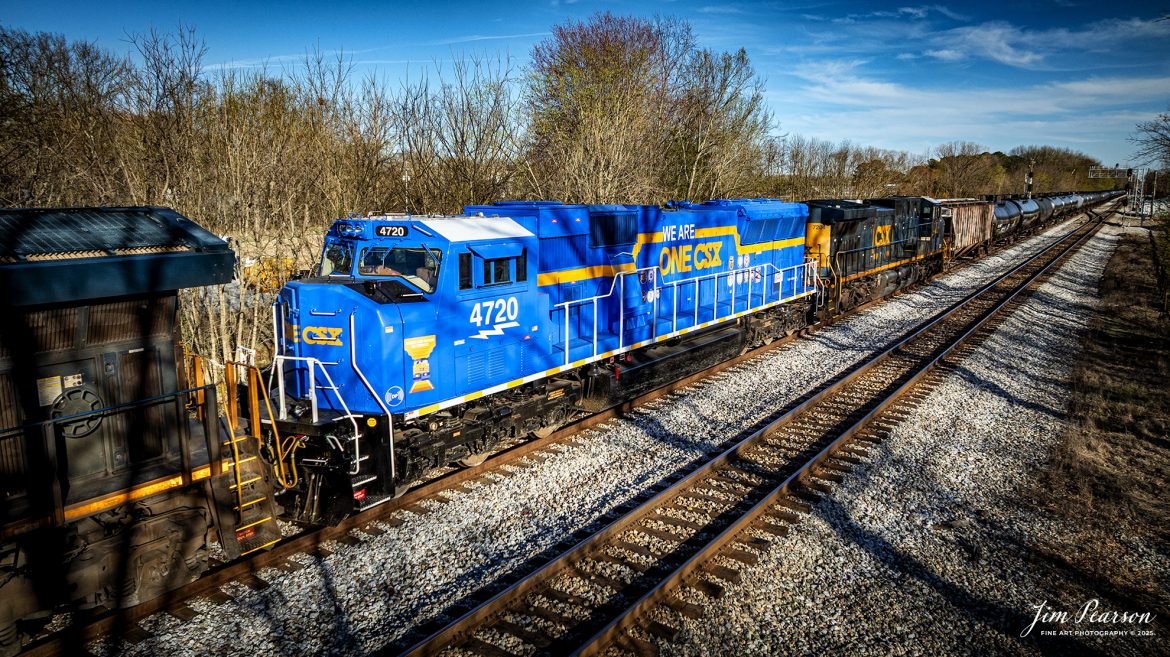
x,y
612,109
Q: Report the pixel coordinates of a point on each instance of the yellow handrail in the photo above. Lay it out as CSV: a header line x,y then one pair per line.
x,y
284,448
291,444
229,374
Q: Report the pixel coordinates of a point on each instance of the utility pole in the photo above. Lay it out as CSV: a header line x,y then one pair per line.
x,y
1154,196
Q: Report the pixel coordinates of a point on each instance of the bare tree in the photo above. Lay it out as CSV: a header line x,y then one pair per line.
x,y
1153,139
593,109
717,129
60,104
473,129
965,169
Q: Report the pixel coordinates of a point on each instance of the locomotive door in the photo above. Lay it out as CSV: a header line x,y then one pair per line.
x,y
492,316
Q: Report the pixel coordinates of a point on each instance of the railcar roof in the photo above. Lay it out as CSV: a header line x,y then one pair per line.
x,y
59,233
53,255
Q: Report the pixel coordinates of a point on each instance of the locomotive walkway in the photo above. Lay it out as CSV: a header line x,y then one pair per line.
x,y
613,587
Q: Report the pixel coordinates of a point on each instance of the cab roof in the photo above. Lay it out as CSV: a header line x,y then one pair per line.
x,y
453,228
470,229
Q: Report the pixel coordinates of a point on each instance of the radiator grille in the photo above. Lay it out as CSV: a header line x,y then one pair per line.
x,y
486,366
126,320
558,252
51,330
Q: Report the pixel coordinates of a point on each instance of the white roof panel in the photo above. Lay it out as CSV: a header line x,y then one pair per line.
x,y
467,229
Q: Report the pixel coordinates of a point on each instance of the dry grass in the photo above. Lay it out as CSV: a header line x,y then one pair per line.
x,y
1108,479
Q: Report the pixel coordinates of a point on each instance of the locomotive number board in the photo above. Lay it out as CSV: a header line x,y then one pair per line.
x,y
387,230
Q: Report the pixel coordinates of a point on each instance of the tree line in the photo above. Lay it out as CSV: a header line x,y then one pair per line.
x,y
610,109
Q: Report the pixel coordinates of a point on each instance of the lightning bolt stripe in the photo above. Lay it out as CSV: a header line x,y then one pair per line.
x,y
498,329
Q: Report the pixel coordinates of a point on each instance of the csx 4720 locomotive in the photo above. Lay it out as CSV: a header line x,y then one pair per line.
x,y
458,332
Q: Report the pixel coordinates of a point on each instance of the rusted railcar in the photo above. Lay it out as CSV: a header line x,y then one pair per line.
x,y
967,225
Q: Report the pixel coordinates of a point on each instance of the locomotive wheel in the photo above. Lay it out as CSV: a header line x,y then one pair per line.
x,y
544,432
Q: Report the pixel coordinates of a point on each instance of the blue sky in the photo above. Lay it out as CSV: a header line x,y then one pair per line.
x,y
905,76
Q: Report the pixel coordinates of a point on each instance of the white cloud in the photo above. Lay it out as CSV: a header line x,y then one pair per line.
x,y
998,41
720,9
1012,45
487,37
946,54
901,13
1095,115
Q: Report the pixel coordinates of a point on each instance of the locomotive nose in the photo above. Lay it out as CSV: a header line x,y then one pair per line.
x,y
338,348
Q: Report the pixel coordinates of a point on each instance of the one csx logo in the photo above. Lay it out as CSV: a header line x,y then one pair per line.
x,y
881,235
317,335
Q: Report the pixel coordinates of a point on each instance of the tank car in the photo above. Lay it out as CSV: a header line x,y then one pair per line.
x,y
420,341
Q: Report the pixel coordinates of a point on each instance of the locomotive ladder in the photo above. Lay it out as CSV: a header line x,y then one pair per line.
x,y
245,508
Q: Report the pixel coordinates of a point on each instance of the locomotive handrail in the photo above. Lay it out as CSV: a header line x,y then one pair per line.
x,y
48,431
108,410
361,375
283,448
313,363
764,269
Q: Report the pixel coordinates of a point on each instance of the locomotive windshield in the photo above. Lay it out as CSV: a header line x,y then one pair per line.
x,y
417,264
337,260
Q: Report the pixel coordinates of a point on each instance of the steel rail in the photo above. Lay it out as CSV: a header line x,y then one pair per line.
x,y
627,619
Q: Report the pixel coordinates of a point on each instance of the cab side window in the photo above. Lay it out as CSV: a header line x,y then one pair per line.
x,y
465,282
498,271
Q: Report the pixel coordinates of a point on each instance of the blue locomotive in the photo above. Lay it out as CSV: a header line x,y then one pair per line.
x,y
420,341
453,333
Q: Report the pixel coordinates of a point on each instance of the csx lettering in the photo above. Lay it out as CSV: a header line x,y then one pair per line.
x,y
881,235
322,335
687,257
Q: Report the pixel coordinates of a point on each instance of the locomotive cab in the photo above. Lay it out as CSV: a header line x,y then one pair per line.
x,y
400,314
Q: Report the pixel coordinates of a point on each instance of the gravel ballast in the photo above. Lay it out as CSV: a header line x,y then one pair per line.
x,y
926,549
366,596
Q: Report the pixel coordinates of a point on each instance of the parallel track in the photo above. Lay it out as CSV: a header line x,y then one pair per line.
x,y
697,531
89,626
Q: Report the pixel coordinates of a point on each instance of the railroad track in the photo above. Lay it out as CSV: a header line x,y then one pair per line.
x,y
617,588
103,622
